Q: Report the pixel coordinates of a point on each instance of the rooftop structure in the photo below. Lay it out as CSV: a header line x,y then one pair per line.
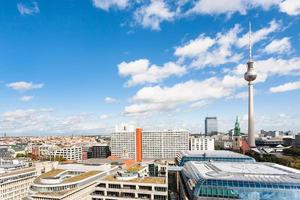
x,y
216,155
240,181
68,181
134,182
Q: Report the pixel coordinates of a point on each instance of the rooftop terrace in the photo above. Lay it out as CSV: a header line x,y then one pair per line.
x,y
153,180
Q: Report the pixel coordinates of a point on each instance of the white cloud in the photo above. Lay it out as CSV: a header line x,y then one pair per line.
x,y
104,116
44,120
291,7
157,98
218,7
259,35
278,46
26,9
272,67
195,47
26,98
107,4
111,100
286,87
141,72
152,15
23,86
199,104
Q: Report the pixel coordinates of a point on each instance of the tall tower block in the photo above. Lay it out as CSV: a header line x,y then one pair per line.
x,y
250,76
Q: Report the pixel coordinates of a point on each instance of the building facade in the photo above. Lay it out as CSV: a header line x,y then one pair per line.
x,y
149,144
202,143
99,151
247,181
135,182
211,126
14,183
69,153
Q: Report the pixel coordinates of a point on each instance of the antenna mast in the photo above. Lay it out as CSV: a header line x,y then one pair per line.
x,y
250,43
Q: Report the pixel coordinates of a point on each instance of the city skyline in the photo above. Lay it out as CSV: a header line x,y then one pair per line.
x,y
82,68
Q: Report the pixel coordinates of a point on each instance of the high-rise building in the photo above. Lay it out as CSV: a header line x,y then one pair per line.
x,y
140,144
202,143
211,126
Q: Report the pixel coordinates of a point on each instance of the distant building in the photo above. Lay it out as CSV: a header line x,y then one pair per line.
x,y
140,144
216,155
139,181
99,151
211,126
6,152
202,143
69,153
15,178
297,140
229,180
271,142
237,137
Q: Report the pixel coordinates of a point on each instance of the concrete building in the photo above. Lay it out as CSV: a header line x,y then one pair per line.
x,y
140,144
231,180
69,153
15,178
217,155
136,182
203,143
68,182
211,126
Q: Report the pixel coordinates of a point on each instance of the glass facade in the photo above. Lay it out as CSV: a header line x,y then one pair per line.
x,y
263,188
184,159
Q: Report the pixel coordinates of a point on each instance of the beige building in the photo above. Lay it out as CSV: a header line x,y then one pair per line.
x,y
14,183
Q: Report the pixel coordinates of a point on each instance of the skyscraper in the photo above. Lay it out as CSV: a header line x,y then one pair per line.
x,y
250,76
211,125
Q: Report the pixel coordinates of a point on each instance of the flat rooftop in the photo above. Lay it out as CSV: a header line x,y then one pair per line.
x,y
213,153
261,172
153,180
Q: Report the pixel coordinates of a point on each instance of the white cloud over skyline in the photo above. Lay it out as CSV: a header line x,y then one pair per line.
x,y
23,86
28,9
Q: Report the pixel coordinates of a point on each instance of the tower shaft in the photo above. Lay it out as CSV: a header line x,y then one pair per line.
x,y
251,134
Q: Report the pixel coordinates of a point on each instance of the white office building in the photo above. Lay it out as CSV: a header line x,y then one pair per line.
x,y
15,178
202,143
69,153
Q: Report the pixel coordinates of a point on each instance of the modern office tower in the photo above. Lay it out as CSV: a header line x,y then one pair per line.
x,y
211,126
69,153
216,155
99,151
140,144
202,143
68,182
15,179
232,180
134,182
250,76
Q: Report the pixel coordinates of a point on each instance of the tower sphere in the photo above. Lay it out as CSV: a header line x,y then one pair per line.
x,y
251,74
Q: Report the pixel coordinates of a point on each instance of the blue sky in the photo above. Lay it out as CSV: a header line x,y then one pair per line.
x,y
84,66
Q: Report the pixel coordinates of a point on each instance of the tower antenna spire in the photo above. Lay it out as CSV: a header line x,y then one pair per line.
x,y
250,42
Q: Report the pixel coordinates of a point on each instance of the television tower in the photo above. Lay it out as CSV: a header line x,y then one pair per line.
x,y
250,76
